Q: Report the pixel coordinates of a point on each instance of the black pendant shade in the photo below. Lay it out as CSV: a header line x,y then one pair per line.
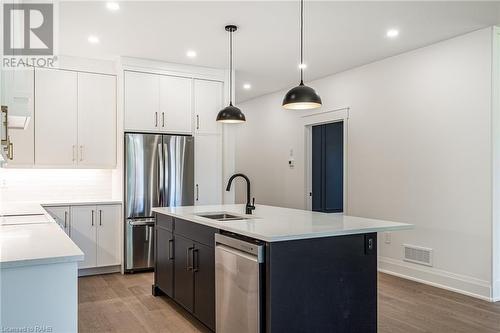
x,y
301,97
231,114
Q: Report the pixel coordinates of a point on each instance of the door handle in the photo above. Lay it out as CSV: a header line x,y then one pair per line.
x,y
81,153
171,249
196,262
65,219
163,119
10,149
197,192
100,216
156,119
197,122
188,267
92,217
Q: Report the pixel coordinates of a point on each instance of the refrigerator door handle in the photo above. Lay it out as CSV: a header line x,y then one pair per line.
x,y
161,176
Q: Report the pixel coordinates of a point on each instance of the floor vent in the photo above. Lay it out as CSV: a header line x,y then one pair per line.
x,y
417,254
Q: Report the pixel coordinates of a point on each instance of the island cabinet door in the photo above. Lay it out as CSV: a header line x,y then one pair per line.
x,y
204,284
184,283
164,272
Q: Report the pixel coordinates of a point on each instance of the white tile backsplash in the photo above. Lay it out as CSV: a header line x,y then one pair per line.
x,y
54,184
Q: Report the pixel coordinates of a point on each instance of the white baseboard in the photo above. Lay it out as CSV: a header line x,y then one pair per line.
x,y
99,270
437,278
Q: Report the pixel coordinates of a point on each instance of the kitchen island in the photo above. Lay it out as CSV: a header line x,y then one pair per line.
x,y
38,272
318,271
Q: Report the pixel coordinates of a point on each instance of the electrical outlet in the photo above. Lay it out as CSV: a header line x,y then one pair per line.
x,y
387,237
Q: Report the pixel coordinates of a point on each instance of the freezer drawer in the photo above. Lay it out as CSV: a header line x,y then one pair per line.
x,y
139,244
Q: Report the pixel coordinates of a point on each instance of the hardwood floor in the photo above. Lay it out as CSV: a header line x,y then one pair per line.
x,y
123,303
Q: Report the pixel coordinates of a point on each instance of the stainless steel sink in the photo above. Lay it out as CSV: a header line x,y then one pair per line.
x,y
222,216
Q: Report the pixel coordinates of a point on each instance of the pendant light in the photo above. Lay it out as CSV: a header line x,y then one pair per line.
x,y
301,97
231,114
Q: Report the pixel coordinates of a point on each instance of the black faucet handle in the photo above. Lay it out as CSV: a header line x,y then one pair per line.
x,y
253,202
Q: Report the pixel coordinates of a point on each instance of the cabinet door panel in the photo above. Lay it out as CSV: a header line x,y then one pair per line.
x,y
175,104
18,94
207,104
204,284
142,101
56,117
61,216
164,271
208,169
108,219
184,283
96,120
83,233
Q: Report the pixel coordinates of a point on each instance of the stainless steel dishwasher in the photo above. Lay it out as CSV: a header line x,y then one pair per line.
x,y
238,285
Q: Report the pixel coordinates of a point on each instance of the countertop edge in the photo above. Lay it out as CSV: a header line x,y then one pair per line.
x,y
195,219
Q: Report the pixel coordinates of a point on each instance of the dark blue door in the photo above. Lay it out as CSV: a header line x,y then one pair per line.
x,y
328,167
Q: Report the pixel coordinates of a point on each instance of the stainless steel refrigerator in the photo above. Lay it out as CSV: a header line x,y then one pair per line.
x,y
159,171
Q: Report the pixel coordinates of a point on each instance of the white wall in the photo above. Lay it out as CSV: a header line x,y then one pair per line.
x,y
418,149
44,185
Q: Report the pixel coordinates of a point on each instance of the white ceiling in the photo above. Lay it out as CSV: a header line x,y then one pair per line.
x,y
339,35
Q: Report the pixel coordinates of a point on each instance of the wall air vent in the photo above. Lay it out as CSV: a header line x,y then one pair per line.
x,y
417,255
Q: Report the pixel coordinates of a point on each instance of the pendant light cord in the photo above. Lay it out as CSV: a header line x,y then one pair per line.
x,y
231,67
301,42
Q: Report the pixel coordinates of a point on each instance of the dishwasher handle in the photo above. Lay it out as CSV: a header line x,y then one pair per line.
x,y
253,247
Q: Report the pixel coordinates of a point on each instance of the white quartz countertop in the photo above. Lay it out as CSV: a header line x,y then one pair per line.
x,y
272,224
30,236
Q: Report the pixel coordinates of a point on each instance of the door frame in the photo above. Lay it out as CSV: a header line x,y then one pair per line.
x,y
322,118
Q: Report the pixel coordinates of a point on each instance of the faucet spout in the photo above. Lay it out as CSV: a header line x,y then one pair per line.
x,y
249,207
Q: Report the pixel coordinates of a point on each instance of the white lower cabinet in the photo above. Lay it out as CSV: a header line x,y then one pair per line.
x,y
95,229
61,216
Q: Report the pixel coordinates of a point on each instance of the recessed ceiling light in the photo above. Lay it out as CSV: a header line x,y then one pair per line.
x,y
113,6
93,39
247,86
191,54
302,66
392,33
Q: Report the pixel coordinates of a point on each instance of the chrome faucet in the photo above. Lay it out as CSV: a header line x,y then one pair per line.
x,y
249,207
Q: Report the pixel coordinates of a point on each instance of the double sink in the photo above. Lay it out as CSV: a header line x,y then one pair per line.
x,y
222,216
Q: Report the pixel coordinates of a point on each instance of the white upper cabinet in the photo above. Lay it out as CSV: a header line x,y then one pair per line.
x,y
56,117
75,120
208,169
208,101
142,101
96,120
175,104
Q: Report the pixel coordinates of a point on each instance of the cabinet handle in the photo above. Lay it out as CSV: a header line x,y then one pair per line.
x,y
171,249
10,149
156,119
197,122
100,217
188,267
81,153
197,192
196,262
92,217
65,219
163,119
